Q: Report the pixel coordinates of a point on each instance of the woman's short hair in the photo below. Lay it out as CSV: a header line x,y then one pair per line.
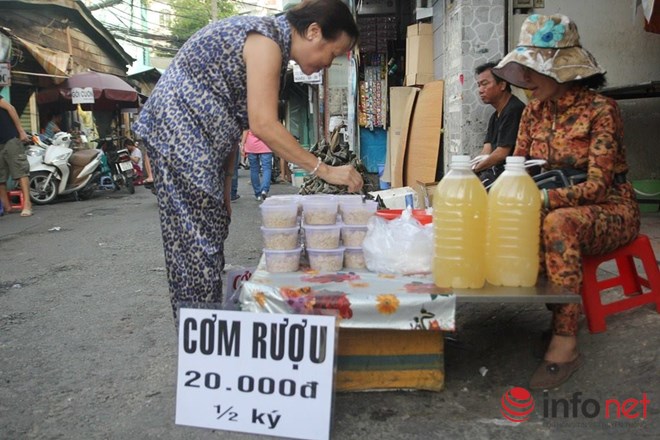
x,y
333,16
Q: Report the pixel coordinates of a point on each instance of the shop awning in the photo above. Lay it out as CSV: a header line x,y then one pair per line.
x,y
53,62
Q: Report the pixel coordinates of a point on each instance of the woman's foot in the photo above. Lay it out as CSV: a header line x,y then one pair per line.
x,y
562,349
561,360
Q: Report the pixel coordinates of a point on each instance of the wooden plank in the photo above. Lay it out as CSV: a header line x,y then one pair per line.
x,y
423,146
399,165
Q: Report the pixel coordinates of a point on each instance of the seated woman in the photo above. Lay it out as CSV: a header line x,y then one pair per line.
x,y
570,126
53,125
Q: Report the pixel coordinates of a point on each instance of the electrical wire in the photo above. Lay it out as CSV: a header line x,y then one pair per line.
x,y
119,12
253,5
156,47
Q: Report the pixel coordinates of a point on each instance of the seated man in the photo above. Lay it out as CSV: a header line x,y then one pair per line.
x,y
502,126
136,158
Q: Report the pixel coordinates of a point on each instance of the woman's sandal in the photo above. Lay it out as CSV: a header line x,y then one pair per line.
x,y
550,375
26,212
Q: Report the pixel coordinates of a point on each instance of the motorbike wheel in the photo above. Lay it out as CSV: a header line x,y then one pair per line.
x,y
40,192
130,185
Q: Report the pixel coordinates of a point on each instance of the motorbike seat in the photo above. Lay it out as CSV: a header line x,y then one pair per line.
x,y
83,157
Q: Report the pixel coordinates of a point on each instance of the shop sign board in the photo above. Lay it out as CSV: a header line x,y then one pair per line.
x,y
82,95
5,74
259,373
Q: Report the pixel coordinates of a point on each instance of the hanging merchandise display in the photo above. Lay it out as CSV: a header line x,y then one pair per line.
x,y
373,96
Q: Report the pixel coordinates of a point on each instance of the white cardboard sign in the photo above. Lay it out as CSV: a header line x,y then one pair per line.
x,y
259,373
82,95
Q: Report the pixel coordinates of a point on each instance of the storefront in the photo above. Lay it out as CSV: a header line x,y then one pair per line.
x,y
47,42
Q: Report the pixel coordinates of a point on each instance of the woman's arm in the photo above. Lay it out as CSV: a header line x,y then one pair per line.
x,y
263,61
524,138
15,119
606,134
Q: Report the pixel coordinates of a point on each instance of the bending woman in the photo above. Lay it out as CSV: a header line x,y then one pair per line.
x,y
225,79
570,126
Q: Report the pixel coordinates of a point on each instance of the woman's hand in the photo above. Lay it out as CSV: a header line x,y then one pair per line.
x,y
342,175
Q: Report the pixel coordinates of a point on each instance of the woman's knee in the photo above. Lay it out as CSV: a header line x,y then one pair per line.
x,y
563,222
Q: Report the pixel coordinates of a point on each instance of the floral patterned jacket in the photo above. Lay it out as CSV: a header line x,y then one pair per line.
x,y
581,130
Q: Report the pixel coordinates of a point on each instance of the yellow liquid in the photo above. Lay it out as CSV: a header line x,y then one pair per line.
x,y
459,226
512,251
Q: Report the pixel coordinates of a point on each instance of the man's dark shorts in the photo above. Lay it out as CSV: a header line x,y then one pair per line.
x,y
13,160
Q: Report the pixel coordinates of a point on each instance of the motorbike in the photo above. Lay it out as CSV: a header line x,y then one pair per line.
x,y
119,162
55,169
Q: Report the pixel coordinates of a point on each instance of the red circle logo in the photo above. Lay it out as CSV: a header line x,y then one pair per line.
x,y
517,404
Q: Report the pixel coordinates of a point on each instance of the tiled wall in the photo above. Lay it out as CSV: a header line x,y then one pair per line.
x,y
469,33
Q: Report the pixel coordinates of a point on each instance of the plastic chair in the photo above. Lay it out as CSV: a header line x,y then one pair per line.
x,y
16,200
636,289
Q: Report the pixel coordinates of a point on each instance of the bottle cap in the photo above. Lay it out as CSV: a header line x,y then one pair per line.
x,y
459,158
515,160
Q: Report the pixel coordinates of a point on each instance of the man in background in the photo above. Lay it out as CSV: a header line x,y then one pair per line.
x,y
13,160
502,131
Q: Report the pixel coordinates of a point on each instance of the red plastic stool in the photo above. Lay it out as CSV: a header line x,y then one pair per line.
x,y
628,278
13,196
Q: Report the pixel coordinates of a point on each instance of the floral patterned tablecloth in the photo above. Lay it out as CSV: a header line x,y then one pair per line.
x,y
360,299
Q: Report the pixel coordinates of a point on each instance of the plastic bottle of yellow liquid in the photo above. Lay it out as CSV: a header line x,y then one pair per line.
x,y
512,250
459,226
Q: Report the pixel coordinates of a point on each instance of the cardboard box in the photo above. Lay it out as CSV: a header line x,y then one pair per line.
x,y
395,198
419,79
369,359
399,156
425,193
393,141
423,144
419,29
419,50
398,99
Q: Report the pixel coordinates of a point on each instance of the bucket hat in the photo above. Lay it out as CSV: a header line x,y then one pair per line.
x,y
549,45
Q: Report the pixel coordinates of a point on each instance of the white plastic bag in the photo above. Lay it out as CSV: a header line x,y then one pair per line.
x,y
401,246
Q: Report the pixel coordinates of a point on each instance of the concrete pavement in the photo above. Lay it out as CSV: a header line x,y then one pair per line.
x,y
87,347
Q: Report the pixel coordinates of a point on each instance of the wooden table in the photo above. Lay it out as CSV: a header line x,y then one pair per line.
x,y
390,326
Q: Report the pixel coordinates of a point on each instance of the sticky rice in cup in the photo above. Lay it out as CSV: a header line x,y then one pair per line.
x,y
319,210
322,236
282,261
326,260
283,214
280,238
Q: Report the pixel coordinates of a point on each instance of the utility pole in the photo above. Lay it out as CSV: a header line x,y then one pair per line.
x,y
214,10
